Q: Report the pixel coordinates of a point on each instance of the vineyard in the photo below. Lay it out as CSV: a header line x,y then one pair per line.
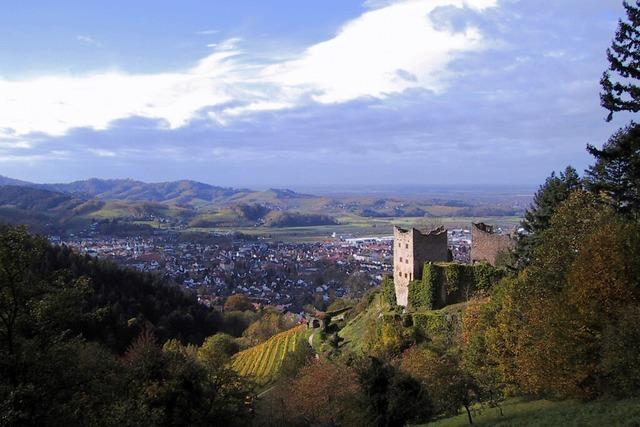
x,y
263,361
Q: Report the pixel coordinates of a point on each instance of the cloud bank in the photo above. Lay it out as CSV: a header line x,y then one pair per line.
x,y
440,91
389,49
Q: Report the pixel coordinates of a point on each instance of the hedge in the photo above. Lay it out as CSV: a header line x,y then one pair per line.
x,y
438,326
443,284
388,291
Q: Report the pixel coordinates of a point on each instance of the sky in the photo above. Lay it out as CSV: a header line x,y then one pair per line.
x,y
293,93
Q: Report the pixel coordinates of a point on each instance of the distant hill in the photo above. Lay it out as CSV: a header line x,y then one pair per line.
x,y
36,199
76,205
179,192
10,181
52,211
42,209
188,204
183,192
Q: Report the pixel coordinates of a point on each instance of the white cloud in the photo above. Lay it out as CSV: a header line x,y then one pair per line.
x,y
554,54
88,40
102,153
34,158
56,104
384,51
365,56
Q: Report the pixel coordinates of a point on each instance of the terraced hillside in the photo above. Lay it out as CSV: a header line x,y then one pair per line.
x,y
263,361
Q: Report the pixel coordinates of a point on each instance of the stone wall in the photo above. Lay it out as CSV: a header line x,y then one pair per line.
x,y
411,249
486,244
430,247
403,263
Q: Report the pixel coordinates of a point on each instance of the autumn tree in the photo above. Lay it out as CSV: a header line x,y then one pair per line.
x,y
448,384
528,334
551,328
267,325
478,317
325,393
603,297
169,387
216,350
238,302
388,338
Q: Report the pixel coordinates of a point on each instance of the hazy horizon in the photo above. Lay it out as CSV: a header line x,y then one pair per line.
x,y
361,189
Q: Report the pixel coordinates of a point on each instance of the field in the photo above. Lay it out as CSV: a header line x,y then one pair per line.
x,y
545,413
263,361
355,226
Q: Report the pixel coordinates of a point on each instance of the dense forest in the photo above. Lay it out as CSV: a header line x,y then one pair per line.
x,y
85,342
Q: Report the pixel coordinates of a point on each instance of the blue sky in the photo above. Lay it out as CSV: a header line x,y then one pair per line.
x,y
291,93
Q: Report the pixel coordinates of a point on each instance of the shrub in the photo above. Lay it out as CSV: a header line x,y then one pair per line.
x,y
443,284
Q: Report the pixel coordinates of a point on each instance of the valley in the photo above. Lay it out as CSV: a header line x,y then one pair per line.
x,y
125,206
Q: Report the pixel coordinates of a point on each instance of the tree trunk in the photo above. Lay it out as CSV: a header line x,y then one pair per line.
x,y
468,414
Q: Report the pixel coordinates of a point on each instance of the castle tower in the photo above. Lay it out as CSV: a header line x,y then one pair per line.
x,y
486,244
411,249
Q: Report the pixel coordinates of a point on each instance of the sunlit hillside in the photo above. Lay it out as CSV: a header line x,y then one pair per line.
x,y
263,361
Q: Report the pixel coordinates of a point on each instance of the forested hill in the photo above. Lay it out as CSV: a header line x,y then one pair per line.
x,y
83,342
118,303
42,210
121,198
37,199
183,192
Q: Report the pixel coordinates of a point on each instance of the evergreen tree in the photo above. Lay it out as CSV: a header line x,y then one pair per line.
x,y
616,173
623,93
537,218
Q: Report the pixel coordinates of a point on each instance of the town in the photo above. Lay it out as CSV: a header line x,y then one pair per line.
x,y
285,275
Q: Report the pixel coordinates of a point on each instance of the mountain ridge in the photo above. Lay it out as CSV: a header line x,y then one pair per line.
x,y
180,192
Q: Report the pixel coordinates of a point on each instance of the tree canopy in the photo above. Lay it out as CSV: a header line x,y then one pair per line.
x,y
616,172
537,218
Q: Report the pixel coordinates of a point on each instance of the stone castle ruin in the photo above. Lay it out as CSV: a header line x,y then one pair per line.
x,y
486,244
411,249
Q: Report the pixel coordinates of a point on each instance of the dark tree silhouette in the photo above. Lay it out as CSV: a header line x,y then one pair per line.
x,y
620,91
616,173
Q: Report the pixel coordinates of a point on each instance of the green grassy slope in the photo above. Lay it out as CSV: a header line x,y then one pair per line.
x,y
544,413
262,362
354,332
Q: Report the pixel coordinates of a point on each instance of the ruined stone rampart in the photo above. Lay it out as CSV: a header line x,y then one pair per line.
x,y
486,244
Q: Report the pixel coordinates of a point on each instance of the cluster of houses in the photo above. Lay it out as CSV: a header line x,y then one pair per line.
x,y
279,274
290,275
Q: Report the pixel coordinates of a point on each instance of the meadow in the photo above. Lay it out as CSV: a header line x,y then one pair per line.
x,y
545,413
357,226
